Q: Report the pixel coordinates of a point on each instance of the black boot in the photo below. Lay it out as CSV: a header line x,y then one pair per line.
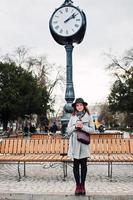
x,y
82,189
77,190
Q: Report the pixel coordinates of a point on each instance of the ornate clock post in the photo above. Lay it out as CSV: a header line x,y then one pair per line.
x,y
67,26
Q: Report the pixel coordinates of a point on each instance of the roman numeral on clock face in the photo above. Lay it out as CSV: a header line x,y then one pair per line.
x,y
76,25
67,32
66,9
56,27
61,30
55,22
72,10
61,11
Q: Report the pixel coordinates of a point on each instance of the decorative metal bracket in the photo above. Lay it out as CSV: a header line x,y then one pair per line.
x,y
67,2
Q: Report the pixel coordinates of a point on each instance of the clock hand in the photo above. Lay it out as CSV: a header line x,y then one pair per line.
x,y
71,17
74,15
68,19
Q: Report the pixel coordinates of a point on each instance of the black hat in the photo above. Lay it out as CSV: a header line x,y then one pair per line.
x,y
79,100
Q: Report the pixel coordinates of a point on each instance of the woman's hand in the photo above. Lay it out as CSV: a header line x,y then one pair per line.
x,y
79,125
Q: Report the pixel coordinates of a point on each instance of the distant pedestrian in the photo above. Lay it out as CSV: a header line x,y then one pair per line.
x,y
26,130
32,129
94,121
54,128
78,151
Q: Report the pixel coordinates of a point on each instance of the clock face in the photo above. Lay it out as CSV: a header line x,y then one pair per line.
x,y
66,21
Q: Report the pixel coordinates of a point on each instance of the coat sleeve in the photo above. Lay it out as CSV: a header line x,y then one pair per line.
x,y
70,127
90,128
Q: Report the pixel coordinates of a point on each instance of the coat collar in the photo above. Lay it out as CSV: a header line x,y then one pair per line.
x,y
85,117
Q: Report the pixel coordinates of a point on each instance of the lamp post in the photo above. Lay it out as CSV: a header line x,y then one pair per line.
x,y
69,93
67,26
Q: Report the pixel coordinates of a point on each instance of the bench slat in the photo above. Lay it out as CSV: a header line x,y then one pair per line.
x,y
131,145
40,146
53,147
31,146
58,145
22,146
15,147
65,146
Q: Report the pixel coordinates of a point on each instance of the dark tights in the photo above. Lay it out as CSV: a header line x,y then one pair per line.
x,y
76,170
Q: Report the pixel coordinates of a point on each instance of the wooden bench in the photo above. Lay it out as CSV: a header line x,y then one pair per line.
x,y
92,135
108,151
55,150
31,150
40,136
43,136
106,135
112,151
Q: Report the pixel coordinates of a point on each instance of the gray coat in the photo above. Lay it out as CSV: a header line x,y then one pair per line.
x,y
77,149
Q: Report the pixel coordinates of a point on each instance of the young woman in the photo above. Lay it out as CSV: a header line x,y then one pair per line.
x,y
78,151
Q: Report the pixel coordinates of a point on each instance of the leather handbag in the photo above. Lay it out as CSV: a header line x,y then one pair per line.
x,y
83,137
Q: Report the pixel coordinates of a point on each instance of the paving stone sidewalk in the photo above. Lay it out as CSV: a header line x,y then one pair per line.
x,y
45,181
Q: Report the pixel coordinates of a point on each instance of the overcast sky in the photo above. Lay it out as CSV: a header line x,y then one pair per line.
x,y
109,29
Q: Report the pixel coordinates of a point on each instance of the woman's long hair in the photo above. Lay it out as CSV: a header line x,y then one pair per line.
x,y
85,109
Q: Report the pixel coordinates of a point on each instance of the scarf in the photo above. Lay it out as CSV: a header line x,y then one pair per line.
x,y
80,114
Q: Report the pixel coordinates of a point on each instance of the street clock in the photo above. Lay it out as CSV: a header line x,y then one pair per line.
x,y
68,24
